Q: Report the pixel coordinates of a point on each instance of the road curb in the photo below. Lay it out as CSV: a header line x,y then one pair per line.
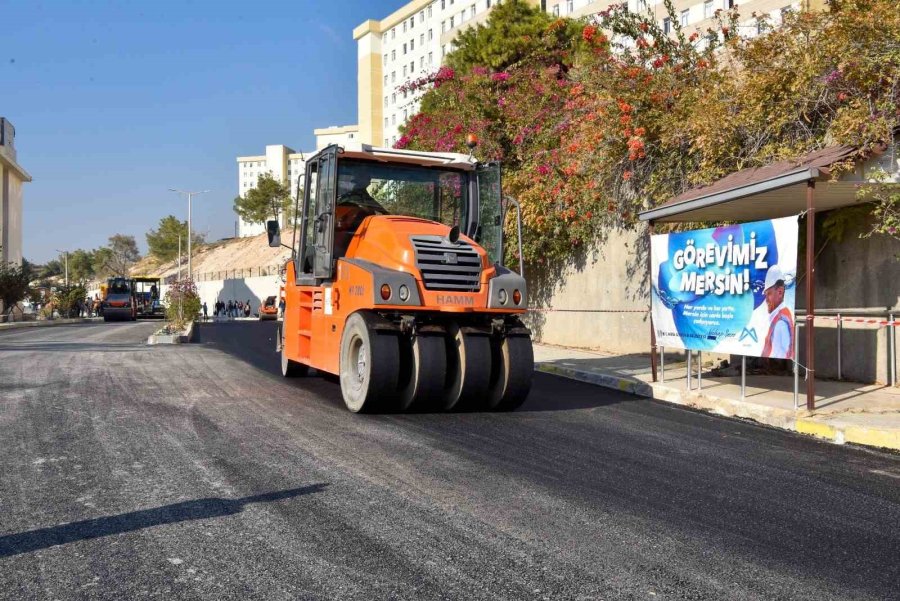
x,y
823,428
46,323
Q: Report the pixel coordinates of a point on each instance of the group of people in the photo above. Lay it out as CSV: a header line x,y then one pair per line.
x,y
232,309
88,307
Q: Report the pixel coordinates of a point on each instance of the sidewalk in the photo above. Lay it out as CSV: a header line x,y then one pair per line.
x,y
845,411
44,323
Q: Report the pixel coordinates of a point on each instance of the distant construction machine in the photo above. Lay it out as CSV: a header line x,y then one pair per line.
x,y
396,283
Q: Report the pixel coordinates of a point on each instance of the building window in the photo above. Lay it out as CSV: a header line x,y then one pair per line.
x,y
394,119
684,17
404,70
422,16
412,66
444,50
412,44
393,32
430,35
421,39
404,27
394,98
404,94
385,60
393,55
404,48
385,80
708,9
385,121
556,10
570,6
430,59
421,62
412,22
443,26
472,11
488,4
393,76
667,25
451,22
385,101
429,11
443,4
405,114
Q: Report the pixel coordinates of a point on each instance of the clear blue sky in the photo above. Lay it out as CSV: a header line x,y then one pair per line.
x,y
114,102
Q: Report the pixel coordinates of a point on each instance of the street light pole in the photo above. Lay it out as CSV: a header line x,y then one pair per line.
x,y
66,253
189,195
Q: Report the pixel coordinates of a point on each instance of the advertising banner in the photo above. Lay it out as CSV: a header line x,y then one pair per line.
x,y
728,289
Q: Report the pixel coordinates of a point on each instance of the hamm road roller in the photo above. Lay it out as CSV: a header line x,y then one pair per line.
x,y
396,282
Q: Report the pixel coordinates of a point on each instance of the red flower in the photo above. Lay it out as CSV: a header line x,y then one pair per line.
x,y
588,33
627,175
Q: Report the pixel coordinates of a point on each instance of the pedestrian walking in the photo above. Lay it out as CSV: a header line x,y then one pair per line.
x,y
247,309
205,313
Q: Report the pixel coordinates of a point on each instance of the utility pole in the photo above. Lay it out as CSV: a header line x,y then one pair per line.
x,y
179,258
189,195
66,253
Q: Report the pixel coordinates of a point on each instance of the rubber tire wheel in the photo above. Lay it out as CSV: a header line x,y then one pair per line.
x,y
289,367
370,362
511,372
425,369
468,369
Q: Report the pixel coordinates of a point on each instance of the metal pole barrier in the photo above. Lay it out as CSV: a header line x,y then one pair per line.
x,y
689,370
893,350
840,327
743,376
662,363
699,370
796,365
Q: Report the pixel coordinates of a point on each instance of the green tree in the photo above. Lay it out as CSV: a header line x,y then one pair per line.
x,y
163,241
67,298
14,284
270,199
514,30
49,269
101,258
81,265
123,252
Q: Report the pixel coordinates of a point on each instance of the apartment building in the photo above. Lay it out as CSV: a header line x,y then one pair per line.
x,y
412,41
336,134
282,163
12,176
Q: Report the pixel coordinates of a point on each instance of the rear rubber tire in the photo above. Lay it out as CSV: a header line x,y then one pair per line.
x,y
425,357
468,369
290,368
511,373
370,361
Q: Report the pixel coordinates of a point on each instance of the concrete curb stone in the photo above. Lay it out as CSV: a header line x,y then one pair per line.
x,y
832,430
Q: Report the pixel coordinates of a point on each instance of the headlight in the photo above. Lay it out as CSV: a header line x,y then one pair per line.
x,y
502,296
404,293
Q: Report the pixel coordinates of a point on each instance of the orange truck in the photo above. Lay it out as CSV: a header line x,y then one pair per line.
x,y
395,282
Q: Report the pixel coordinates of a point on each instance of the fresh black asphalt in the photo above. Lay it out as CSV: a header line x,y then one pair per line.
x,y
197,472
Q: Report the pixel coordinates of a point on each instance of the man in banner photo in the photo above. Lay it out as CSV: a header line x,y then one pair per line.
x,y
780,339
728,289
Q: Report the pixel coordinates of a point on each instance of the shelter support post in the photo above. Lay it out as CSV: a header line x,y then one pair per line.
x,y
650,284
810,294
796,343
699,370
662,364
840,327
743,376
892,353
690,356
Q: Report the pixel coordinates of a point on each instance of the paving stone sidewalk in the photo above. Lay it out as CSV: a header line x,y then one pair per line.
x,y
846,412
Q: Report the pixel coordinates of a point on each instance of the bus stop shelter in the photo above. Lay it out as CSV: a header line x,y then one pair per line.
x,y
804,186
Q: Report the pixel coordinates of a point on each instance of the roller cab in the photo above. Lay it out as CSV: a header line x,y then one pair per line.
x,y
396,285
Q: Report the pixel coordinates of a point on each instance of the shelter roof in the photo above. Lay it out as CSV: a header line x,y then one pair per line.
x,y
778,189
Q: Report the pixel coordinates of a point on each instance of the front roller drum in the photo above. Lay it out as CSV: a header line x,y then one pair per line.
x,y
511,373
370,362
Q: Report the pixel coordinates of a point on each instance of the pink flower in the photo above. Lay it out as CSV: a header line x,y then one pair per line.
x,y
501,76
476,70
543,169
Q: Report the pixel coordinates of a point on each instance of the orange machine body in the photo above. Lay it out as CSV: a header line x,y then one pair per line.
x,y
314,316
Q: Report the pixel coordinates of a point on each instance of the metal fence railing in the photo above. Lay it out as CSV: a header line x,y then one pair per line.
x,y
233,274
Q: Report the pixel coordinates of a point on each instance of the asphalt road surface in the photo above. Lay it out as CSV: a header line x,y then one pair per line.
x,y
197,472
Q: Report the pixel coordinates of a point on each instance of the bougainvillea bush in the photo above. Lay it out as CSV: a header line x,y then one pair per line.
x,y
605,118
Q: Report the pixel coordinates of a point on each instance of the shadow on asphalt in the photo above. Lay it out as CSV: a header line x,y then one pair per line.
x,y
199,509
254,343
75,347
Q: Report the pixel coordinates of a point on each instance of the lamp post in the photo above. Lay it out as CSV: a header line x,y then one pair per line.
x,y
189,195
66,253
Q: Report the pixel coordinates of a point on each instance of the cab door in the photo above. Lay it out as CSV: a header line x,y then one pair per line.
x,y
488,212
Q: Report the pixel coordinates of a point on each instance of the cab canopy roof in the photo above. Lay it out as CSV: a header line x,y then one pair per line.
x,y
449,160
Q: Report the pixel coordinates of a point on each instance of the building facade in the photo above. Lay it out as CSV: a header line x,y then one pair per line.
x,y
12,176
336,134
282,163
411,43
